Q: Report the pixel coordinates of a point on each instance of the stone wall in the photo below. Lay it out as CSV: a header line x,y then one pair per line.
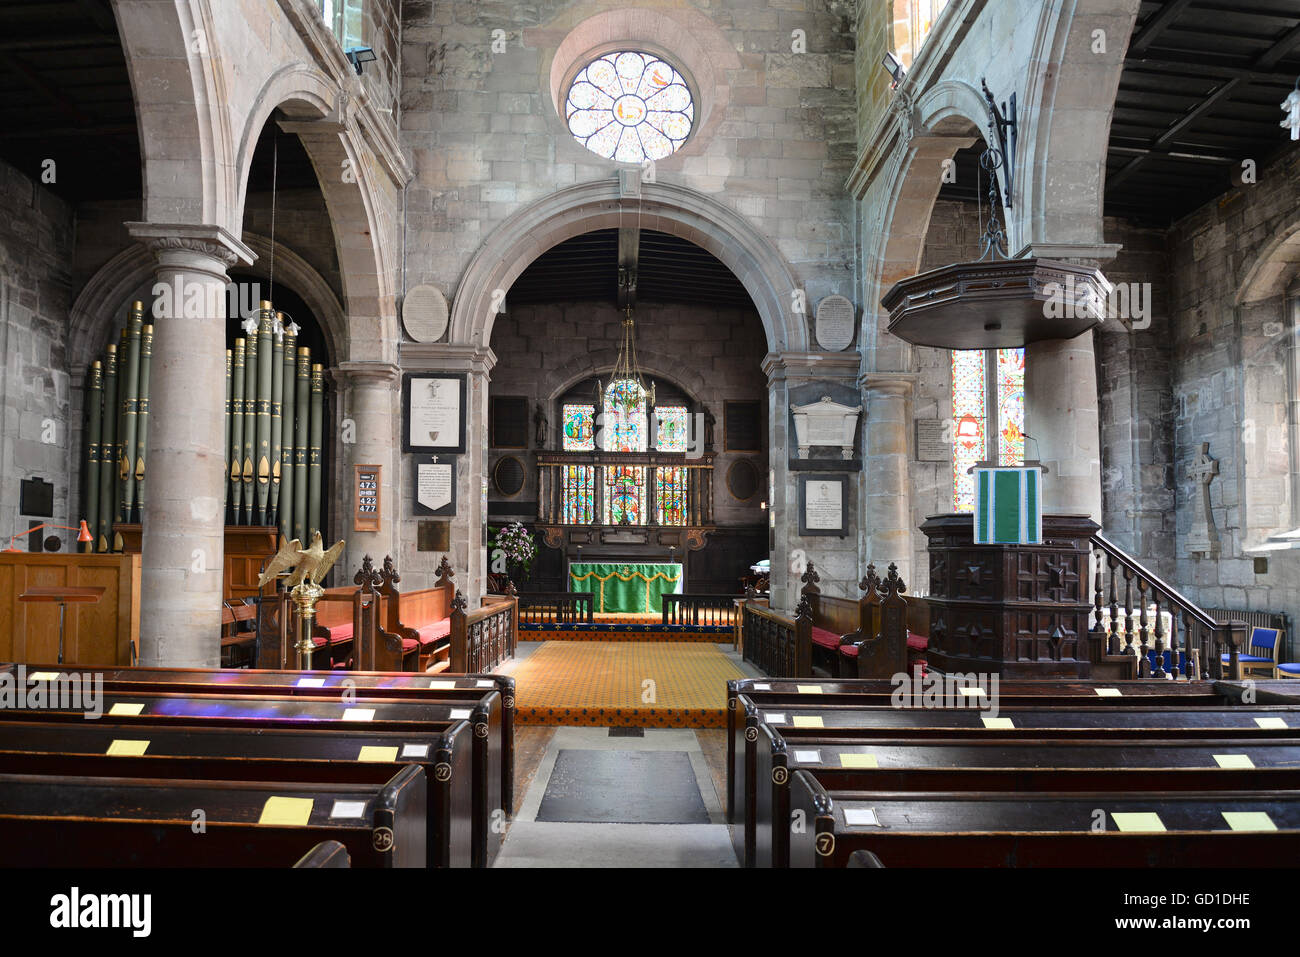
x,y
36,238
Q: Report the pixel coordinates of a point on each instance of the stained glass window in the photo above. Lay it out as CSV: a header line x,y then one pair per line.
x,y
912,22
1011,406
670,494
672,428
624,494
623,425
972,371
579,494
630,107
579,435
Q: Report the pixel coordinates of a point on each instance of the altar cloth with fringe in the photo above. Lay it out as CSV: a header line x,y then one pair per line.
x,y
626,586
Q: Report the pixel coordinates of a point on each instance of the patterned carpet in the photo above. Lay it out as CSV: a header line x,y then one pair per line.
x,y
639,684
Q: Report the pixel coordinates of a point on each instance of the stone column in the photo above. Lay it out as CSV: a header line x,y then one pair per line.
x,y
1061,414
468,555
368,436
886,494
183,551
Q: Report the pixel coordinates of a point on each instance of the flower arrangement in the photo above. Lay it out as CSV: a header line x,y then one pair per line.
x,y
517,546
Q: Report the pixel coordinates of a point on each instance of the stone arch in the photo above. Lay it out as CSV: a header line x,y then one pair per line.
x,y
321,116
569,212
1273,267
186,144
653,362
103,301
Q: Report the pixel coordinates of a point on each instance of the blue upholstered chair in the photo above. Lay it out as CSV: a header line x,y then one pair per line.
x,y
1290,669
1261,652
1168,660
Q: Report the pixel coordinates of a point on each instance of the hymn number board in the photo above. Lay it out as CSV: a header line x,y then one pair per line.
x,y
368,510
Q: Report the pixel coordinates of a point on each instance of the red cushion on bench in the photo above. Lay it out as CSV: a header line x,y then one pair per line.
x,y
408,645
431,632
917,641
339,633
827,639
849,651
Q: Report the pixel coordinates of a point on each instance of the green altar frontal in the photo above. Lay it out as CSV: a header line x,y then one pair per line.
x,y
634,587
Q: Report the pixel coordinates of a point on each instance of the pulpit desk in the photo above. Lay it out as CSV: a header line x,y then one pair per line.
x,y
62,595
628,587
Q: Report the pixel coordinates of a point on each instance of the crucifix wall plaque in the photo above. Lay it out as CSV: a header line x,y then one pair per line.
x,y
435,485
433,412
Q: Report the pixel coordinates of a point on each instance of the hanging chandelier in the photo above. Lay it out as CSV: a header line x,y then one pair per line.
x,y
626,368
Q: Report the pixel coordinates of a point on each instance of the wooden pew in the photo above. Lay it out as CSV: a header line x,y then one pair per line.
x,y
422,616
1006,829
329,854
777,643
239,646
60,821
198,753
328,715
879,692
1132,722
246,681
883,764
483,638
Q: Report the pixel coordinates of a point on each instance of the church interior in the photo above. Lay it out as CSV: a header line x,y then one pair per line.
x,y
651,433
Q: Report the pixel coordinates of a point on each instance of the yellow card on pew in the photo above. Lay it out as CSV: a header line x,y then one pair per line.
x,y
809,689
858,761
295,812
126,749
1109,693
373,752
1234,761
123,707
43,676
996,722
358,714
1249,820
808,721
1270,722
1138,821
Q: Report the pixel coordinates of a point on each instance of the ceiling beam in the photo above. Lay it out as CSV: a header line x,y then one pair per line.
x,y
1156,24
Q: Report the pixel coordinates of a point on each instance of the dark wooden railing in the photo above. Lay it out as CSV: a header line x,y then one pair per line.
x,y
556,607
699,609
1133,588
483,638
776,643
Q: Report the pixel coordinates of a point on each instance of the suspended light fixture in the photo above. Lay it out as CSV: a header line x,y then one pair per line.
x,y
996,302
626,368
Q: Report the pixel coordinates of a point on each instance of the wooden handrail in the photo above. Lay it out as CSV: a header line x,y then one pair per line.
x,y
557,606
678,608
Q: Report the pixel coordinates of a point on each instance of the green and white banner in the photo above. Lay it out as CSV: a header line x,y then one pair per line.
x,y
1008,506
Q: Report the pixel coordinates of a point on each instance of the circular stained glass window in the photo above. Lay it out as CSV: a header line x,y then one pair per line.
x,y
630,107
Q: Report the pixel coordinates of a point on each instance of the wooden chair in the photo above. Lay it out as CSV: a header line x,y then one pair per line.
x,y
1263,651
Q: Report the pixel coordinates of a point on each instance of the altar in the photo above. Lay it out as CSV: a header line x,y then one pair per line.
x,y
627,587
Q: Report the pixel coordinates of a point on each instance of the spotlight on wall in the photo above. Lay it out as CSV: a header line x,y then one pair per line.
x,y
894,67
359,55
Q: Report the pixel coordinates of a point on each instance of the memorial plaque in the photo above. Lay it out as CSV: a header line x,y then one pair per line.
x,y
424,313
743,425
835,326
823,504
508,476
933,440
435,485
433,412
433,536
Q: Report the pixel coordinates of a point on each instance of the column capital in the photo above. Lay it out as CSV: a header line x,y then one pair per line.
x,y
446,357
213,242
785,366
367,371
888,383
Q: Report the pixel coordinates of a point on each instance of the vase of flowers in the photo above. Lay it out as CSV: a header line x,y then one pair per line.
x,y
515,545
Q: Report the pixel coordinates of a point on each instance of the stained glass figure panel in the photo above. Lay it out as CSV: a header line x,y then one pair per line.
x,y
623,425
670,494
1011,406
630,107
625,494
672,428
968,429
579,500
579,432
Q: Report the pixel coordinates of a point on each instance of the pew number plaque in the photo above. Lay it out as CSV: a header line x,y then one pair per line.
x,y
369,503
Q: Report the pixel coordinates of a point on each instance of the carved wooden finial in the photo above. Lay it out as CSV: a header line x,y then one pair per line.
x,y
870,580
459,603
810,578
367,577
445,573
803,609
511,592
893,583
751,591
389,571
